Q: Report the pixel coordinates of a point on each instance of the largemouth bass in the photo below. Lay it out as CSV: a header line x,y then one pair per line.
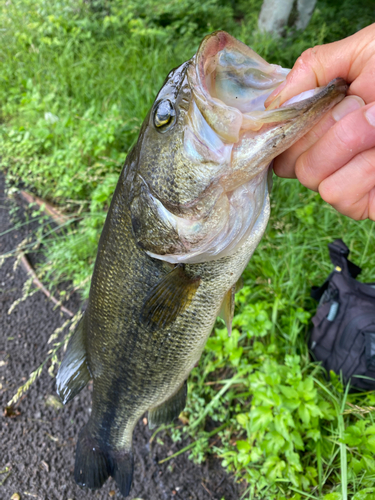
x,y
189,209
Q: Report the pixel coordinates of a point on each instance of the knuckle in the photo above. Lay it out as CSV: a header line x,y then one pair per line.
x,y
329,193
310,58
305,172
311,137
367,160
345,137
307,56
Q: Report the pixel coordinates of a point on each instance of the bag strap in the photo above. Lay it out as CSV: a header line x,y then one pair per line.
x,y
339,253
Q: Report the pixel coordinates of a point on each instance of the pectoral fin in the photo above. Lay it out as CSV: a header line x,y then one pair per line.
x,y
169,298
169,410
74,372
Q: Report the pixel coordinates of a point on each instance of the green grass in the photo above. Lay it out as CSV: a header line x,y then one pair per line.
x,y
77,79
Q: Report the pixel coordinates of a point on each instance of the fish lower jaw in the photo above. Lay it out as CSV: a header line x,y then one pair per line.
x,y
248,214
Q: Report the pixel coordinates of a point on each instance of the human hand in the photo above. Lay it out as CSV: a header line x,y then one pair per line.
x,y
337,157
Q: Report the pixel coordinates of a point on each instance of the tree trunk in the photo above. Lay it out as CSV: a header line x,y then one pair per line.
x,y
275,15
305,9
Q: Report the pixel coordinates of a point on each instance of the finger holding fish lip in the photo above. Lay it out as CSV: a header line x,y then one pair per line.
x,y
337,156
341,163
285,164
349,137
351,189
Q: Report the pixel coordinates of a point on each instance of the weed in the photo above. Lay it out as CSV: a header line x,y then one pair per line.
x,y
77,80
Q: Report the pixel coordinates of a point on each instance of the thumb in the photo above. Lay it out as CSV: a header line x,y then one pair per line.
x,y
319,65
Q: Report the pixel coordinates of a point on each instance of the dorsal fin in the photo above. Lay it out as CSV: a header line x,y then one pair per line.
x,y
74,372
169,298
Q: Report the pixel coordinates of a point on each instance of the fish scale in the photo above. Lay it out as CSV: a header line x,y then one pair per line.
x,y
180,230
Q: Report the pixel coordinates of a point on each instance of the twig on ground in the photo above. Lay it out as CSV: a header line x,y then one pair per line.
x,y
205,487
27,267
30,494
48,208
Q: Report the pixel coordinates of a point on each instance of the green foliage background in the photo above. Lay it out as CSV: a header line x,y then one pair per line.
x,y
77,80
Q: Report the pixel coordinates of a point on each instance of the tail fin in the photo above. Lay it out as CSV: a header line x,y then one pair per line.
x,y
122,467
94,465
91,467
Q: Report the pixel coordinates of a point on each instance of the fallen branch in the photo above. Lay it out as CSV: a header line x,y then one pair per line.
x,y
48,208
30,271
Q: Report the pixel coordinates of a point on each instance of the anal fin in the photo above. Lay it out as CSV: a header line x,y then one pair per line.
x,y
169,298
74,373
169,410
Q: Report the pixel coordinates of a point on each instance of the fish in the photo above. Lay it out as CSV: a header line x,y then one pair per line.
x,y
190,207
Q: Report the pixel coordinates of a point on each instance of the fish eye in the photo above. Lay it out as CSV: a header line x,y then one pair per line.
x,y
164,116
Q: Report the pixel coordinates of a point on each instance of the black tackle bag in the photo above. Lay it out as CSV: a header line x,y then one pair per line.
x,y
343,335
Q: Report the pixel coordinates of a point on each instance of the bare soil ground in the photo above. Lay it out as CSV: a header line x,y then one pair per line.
x,y
37,446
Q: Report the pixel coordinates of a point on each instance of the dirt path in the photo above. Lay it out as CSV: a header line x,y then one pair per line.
x,y
37,446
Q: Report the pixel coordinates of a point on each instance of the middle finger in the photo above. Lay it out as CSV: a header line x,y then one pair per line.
x,y
284,164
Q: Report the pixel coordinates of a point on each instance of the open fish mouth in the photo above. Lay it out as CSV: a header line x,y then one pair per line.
x,y
231,83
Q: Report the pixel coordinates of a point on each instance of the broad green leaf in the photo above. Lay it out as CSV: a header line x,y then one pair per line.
x,y
260,416
370,429
314,409
273,442
365,494
352,436
333,496
289,392
243,446
273,468
304,414
242,419
281,422
297,440
294,460
255,454
313,434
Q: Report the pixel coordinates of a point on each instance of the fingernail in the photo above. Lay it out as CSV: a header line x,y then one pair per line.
x,y
274,104
347,105
370,115
275,93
